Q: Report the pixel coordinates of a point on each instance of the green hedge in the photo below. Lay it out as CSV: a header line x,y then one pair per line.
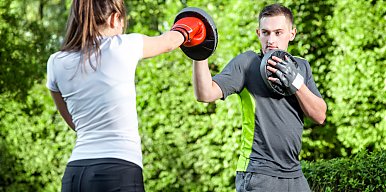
x,y
361,172
35,143
357,78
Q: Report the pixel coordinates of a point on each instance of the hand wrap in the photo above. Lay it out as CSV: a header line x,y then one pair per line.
x,y
288,75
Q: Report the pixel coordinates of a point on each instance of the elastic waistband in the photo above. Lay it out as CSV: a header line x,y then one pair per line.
x,y
89,162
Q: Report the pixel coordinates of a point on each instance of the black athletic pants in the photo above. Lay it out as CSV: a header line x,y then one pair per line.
x,y
102,175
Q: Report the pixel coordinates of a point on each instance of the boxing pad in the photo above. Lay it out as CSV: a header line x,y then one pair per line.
x,y
208,46
265,73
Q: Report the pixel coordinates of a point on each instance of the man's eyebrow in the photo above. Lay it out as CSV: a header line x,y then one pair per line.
x,y
272,30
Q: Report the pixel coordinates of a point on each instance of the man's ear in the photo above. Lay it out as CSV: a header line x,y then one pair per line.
x,y
258,32
293,34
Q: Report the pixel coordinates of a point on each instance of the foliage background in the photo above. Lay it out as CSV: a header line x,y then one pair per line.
x,y
187,145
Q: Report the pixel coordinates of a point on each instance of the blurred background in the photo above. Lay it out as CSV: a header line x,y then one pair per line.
x,y
187,145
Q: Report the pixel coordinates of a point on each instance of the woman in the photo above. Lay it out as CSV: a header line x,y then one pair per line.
x,y
91,80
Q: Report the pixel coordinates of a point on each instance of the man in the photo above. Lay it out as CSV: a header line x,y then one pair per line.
x,y
272,124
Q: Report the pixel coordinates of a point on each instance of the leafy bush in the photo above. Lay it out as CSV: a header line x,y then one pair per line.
x,y
357,74
28,36
35,144
361,172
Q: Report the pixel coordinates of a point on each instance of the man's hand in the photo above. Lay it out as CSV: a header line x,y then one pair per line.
x,y
288,74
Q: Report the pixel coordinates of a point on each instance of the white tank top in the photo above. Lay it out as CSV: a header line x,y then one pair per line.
x,y
102,102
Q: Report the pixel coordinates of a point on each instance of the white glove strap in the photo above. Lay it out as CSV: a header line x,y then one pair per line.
x,y
298,82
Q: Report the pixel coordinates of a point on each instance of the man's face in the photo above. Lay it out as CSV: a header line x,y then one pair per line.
x,y
275,33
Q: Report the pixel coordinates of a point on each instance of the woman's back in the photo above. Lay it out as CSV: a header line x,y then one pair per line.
x,y
102,101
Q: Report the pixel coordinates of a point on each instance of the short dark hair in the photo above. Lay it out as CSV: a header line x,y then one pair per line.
x,y
275,10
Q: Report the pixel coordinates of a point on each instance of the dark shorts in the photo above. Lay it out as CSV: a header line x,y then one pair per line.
x,y
102,175
254,182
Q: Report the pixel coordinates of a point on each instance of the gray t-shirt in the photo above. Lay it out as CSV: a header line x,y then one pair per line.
x,y
272,124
